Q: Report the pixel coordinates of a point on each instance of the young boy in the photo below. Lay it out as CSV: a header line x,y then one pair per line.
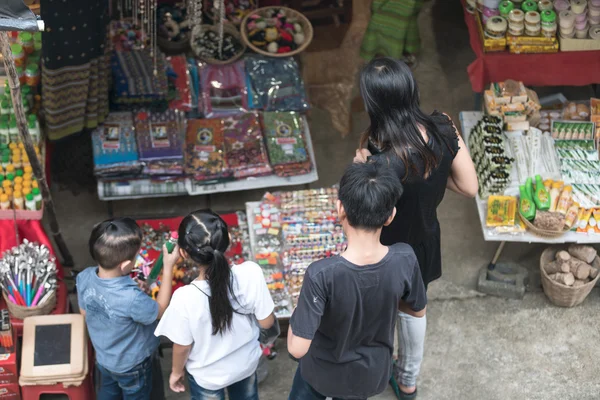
x,y
343,328
120,317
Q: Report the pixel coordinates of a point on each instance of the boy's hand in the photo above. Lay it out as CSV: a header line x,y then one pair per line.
x,y
143,285
170,259
176,382
361,155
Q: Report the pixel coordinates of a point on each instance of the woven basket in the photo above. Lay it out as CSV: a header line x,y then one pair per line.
x,y
227,28
298,16
172,48
559,294
21,312
542,233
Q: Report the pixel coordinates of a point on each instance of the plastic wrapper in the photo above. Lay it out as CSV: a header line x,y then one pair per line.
x,y
223,89
204,145
283,133
160,141
245,150
134,82
275,84
115,148
501,211
581,171
180,95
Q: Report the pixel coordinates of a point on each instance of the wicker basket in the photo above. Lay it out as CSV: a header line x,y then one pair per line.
x,y
21,312
227,28
543,233
300,18
172,48
559,294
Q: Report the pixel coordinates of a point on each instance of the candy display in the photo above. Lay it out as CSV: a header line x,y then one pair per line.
x,y
28,275
274,31
292,230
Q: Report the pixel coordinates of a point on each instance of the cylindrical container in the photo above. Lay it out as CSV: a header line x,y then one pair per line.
x,y
594,11
561,5
532,19
566,19
18,54
491,3
594,20
549,31
506,7
529,5
533,31
545,5
13,131
489,13
496,27
594,32
581,26
548,17
578,6
26,41
567,35
516,30
21,75
32,75
516,16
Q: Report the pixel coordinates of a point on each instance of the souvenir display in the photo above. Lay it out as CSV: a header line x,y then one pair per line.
x,y
283,133
204,145
180,96
173,23
125,35
275,84
28,275
209,47
223,89
235,10
160,142
275,32
115,148
245,150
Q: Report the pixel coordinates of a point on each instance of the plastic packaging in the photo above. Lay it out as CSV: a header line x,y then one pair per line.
x,y
554,195
275,84
501,211
158,266
245,150
564,200
30,203
114,146
283,133
223,89
526,205
541,196
179,79
160,138
571,216
204,145
32,75
18,54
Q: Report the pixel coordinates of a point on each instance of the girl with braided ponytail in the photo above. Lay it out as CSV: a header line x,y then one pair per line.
x,y
212,321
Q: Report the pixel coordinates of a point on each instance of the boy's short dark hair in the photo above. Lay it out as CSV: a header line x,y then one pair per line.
x,y
114,241
369,192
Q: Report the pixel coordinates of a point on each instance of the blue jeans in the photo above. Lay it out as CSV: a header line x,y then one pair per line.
x,y
135,384
246,389
301,390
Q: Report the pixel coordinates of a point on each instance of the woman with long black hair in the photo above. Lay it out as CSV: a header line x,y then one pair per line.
x,y
429,156
212,321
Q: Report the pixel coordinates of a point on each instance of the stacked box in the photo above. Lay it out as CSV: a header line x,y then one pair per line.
x,y
516,111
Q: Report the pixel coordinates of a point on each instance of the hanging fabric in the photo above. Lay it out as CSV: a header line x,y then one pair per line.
x,y
16,16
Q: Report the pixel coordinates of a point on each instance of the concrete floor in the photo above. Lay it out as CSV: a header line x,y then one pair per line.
x,y
477,347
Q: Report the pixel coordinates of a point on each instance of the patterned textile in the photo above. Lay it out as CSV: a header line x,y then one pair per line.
x,y
74,67
179,77
204,144
245,150
285,143
393,30
133,77
275,84
160,142
223,89
115,148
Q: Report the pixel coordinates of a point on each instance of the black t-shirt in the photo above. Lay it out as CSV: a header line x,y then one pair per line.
x,y
349,312
416,221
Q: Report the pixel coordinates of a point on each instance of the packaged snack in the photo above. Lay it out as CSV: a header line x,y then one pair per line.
x,y
501,211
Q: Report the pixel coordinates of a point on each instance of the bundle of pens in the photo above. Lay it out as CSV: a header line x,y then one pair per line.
x,y
28,280
6,333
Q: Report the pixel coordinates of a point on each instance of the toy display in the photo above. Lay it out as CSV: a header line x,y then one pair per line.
x,y
275,31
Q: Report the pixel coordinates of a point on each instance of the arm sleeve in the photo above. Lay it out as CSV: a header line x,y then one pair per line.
x,y
415,294
175,323
263,303
311,305
80,289
143,309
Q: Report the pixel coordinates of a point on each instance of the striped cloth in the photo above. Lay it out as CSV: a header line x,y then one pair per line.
x,y
393,30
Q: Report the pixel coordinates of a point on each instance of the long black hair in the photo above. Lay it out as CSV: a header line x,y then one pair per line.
x,y
204,237
391,97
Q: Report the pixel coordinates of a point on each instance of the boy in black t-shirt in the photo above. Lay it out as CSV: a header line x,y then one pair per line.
x,y
343,328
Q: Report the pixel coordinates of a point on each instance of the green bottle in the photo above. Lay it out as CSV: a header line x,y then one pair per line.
x,y
529,187
170,244
526,206
541,196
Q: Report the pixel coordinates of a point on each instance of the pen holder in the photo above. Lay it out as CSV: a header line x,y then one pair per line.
x,y
21,312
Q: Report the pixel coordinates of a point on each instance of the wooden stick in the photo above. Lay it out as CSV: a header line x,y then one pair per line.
x,y
15,91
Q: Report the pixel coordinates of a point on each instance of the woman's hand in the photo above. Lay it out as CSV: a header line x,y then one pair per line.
x,y
176,382
362,155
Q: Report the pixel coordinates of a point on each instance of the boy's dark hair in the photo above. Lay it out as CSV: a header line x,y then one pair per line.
x,y
369,192
114,241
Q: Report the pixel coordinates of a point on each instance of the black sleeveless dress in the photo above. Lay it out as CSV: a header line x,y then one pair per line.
x,y
416,220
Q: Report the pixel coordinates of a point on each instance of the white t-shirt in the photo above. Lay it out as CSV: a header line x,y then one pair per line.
x,y
217,361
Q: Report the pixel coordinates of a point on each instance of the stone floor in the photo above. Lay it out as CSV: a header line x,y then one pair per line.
x,y
477,347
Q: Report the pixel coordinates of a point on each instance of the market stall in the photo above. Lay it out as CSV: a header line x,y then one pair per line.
x,y
557,68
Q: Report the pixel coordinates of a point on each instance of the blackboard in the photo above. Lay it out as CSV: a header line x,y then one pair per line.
x,y
52,345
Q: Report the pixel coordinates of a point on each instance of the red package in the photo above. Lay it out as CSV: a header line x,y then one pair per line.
x,y
10,391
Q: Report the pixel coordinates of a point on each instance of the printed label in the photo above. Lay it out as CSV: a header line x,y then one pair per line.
x,y
285,141
112,134
159,135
